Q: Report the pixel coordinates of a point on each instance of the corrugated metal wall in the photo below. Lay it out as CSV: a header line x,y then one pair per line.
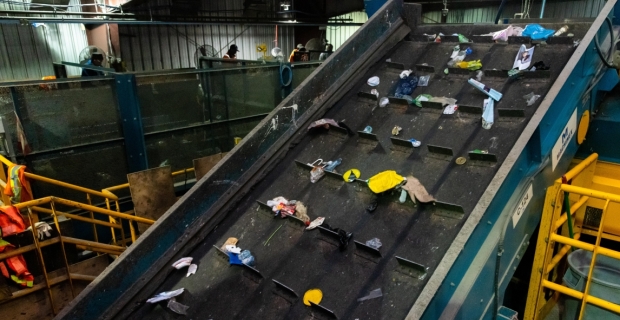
x,y
27,52
166,46
338,35
146,48
553,9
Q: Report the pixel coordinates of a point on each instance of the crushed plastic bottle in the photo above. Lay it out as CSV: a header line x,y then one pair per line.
x,y
463,38
368,129
331,165
403,196
531,98
423,80
246,257
374,243
176,307
561,31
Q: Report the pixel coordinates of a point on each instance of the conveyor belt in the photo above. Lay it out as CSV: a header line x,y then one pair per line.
x,y
302,260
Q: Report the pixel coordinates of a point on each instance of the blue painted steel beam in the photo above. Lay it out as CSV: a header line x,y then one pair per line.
x,y
131,119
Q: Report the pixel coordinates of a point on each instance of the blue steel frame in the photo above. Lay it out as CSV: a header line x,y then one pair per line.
x,y
129,110
468,290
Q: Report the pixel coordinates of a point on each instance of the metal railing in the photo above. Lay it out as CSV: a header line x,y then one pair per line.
x,y
560,225
48,205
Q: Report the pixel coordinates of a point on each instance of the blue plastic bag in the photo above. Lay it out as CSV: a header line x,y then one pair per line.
x,y
406,86
536,32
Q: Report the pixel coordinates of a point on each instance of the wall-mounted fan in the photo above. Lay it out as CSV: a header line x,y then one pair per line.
x,y
204,50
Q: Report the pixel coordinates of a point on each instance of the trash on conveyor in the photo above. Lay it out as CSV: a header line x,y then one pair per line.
x,y
531,98
343,236
561,31
374,243
271,236
396,130
316,173
403,196
469,51
246,258
443,100
446,70
165,295
324,123
229,242
470,65
351,175
539,65
384,102
417,191
301,212
368,129
480,151
281,206
233,259
479,75
423,81
182,263
488,113
384,181
317,222
463,38
450,109
191,270
502,35
460,56
313,295
460,161
233,249
372,295
537,32
415,143
405,74
406,86
423,97
496,95
523,58
513,73
373,81
455,51
374,92
331,165
176,307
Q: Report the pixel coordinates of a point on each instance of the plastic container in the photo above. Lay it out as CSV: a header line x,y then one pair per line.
x,y
605,284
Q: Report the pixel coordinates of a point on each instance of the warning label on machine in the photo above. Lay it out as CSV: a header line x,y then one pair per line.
x,y
563,140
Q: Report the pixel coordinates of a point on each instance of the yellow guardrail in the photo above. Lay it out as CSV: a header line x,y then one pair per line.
x,y
557,227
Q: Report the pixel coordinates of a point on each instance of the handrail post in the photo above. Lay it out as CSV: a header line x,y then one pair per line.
x,y
92,216
40,256
62,245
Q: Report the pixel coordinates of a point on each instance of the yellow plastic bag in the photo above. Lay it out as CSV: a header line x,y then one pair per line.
x,y
384,181
471,65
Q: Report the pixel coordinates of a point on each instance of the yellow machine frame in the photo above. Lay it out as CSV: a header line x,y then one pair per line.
x,y
589,184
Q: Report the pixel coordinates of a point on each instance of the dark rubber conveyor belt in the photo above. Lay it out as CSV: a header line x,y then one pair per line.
x,y
419,235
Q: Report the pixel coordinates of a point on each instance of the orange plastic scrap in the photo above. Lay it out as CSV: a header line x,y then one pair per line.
x,y
18,187
384,181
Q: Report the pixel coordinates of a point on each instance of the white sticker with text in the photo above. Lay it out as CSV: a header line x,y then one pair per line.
x,y
525,200
563,140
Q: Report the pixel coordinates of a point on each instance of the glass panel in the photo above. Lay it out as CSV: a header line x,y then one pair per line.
x,y
68,114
